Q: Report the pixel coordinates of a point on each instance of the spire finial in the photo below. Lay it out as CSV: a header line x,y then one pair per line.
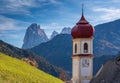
x,y
82,9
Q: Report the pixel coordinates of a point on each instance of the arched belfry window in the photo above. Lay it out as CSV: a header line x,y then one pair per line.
x,y
75,48
85,48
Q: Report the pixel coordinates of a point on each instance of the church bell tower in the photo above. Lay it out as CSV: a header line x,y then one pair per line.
x,y
82,58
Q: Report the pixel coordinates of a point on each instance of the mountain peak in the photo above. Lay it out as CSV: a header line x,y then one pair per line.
x,y
54,33
66,30
34,27
34,35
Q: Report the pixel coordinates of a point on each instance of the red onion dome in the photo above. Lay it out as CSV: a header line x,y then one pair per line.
x,y
82,29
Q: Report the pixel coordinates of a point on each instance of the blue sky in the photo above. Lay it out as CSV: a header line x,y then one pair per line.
x,y
17,15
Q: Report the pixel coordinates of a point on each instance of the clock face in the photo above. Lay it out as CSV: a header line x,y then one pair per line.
x,y
85,62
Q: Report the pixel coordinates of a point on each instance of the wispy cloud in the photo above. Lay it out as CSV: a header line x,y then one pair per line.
x,y
10,35
16,6
115,0
7,24
10,24
23,6
108,14
55,2
11,29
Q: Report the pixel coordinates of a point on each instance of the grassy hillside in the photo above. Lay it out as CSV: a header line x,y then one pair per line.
x,y
13,70
43,64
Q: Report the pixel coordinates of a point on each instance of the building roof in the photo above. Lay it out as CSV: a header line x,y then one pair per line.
x,y
82,29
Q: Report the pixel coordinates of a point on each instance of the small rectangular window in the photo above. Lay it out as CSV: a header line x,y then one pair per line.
x,y
75,48
85,48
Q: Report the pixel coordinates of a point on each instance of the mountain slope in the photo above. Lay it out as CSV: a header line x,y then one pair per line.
x,y
106,40
34,35
13,70
57,51
42,63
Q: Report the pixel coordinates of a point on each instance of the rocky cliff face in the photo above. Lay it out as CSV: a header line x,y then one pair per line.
x,y
110,73
66,30
34,35
54,33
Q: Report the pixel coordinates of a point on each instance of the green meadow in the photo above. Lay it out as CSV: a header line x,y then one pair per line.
x,y
13,70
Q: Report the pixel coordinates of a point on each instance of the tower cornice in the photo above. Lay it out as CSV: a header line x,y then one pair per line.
x,y
82,55
77,39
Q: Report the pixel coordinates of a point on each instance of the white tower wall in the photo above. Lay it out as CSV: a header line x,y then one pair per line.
x,y
82,60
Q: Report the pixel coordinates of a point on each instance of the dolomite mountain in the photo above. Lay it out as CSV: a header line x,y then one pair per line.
x,y
34,36
54,33
66,30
